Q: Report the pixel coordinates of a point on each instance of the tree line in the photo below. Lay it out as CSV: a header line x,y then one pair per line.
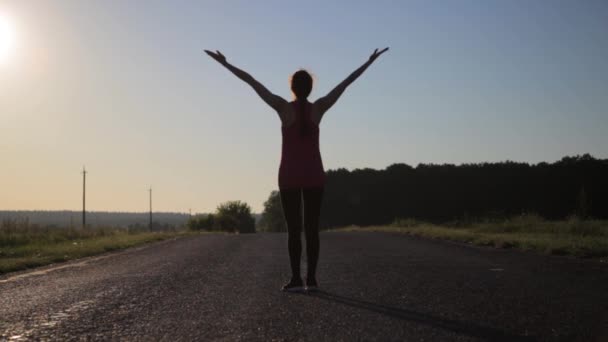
x,y
430,192
575,185
70,218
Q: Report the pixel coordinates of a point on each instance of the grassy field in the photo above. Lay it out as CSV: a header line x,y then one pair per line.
x,y
583,238
23,246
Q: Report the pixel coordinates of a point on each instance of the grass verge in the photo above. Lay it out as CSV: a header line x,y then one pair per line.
x,y
582,238
22,248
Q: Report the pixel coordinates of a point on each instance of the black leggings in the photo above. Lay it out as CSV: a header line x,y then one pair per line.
x,y
292,199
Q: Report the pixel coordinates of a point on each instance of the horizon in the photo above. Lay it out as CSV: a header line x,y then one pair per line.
x,y
254,212
127,91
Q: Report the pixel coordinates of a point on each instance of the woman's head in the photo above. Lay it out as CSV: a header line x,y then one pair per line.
x,y
301,84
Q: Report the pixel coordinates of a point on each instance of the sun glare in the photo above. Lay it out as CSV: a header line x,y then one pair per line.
x,y
7,38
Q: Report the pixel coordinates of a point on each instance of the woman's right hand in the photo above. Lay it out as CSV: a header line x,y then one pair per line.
x,y
377,54
217,55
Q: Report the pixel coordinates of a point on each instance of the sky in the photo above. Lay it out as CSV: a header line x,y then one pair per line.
x,y
123,87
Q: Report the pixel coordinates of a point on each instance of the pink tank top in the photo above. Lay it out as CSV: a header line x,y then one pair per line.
x,y
301,164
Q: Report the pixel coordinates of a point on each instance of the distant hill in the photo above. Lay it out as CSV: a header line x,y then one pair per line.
x,y
68,218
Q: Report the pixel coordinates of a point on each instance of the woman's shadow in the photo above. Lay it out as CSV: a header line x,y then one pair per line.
x,y
465,328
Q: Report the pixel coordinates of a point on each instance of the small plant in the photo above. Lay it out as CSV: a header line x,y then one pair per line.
x,y
406,223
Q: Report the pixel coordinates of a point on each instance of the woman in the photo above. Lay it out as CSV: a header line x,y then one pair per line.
x,y
301,174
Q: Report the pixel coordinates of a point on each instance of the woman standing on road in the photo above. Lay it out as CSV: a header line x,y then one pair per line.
x,y
301,174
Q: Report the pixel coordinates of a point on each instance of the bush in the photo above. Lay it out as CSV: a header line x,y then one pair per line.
x,y
202,222
235,216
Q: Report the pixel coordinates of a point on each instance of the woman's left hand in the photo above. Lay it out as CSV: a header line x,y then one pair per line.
x,y
217,55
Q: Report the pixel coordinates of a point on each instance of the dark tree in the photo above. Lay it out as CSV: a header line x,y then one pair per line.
x,y
440,193
272,218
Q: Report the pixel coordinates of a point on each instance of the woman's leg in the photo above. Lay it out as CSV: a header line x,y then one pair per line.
x,y
291,200
312,210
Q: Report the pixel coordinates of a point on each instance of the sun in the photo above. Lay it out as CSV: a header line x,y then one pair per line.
x,y
7,38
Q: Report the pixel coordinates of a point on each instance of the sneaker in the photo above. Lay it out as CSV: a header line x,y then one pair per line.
x,y
312,285
295,285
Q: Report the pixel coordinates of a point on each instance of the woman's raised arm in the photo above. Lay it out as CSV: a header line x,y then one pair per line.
x,y
274,101
324,103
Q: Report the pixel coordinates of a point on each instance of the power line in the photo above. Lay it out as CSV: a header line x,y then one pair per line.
x,y
150,225
84,187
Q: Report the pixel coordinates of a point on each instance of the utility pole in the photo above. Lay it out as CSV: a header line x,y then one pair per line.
x,y
150,190
84,189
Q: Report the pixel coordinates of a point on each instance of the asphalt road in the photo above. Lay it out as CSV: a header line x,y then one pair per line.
x,y
376,286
